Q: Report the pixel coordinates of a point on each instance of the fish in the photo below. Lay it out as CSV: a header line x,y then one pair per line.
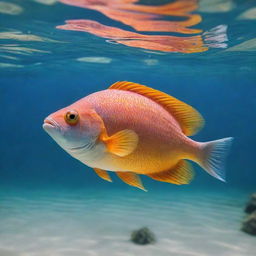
x,y
132,130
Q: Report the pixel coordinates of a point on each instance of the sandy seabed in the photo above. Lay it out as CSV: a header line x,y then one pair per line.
x,y
93,222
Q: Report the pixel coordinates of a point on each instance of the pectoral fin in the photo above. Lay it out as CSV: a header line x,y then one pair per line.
x,y
131,179
103,174
180,174
121,143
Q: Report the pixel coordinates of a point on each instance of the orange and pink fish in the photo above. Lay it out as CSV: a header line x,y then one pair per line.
x,y
133,130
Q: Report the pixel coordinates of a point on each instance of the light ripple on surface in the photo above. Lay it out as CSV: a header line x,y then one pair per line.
x,y
10,8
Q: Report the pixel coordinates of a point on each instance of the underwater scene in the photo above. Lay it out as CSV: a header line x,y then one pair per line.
x,y
127,127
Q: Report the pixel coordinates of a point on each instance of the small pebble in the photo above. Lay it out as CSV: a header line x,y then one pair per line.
x,y
249,224
143,236
251,205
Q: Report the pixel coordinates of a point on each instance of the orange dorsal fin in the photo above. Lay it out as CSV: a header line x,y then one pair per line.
x,y
121,143
181,174
131,179
103,174
188,118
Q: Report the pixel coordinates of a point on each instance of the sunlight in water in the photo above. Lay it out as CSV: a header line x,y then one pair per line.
x,y
9,8
19,36
246,46
103,60
248,14
214,6
46,2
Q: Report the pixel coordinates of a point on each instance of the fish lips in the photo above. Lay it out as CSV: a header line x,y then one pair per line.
x,y
50,126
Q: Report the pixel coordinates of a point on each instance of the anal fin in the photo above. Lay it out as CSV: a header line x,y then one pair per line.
x,y
181,173
103,174
131,179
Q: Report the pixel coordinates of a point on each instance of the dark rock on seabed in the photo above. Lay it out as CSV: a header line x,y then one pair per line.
x,y
143,236
249,224
251,205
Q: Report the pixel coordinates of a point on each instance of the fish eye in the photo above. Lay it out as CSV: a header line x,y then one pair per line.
x,y
72,117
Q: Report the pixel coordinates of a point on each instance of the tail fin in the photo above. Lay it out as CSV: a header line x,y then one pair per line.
x,y
213,155
216,37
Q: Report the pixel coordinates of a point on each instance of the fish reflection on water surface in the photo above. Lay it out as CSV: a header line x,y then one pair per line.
x,y
175,17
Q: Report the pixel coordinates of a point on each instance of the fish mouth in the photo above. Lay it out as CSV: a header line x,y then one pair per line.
x,y
50,124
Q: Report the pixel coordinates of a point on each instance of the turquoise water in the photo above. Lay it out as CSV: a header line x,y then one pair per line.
x,y
51,204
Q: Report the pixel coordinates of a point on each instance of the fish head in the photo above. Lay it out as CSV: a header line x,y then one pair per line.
x,y
75,127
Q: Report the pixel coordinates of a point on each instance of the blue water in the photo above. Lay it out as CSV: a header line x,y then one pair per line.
x,y
51,204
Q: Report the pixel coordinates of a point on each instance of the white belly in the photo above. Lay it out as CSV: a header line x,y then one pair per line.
x,y
91,157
